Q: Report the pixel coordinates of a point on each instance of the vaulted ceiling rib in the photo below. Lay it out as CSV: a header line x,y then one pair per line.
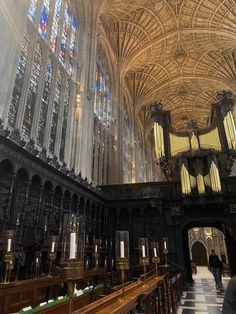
x,y
178,52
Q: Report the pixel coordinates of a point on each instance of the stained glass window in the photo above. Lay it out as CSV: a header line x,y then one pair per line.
x,y
66,24
127,146
97,88
20,73
32,93
37,78
55,25
44,19
45,102
72,46
56,106
103,97
64,123
102,121
32,10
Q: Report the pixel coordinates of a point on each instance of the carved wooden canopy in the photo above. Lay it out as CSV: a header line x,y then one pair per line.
x,y
177,52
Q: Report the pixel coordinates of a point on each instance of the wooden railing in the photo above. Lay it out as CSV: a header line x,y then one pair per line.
x,y
19,294
155,295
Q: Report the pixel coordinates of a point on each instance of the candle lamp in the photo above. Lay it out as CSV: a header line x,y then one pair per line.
x,y
19,260
73,243
52,252
87,240
112,263
96,252
165,249
122,255
155,255
143,254
87,262
38,258
9,254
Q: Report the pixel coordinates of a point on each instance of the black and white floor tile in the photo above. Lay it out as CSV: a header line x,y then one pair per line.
x,y
203,297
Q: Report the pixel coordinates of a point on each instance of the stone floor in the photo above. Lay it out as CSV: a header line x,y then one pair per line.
x,y
203,297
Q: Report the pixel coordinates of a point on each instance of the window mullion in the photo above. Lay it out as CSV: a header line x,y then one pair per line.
x,y
60,28
50,21
70,123
105,155
60,118
50,106
68,46
102,154
96,150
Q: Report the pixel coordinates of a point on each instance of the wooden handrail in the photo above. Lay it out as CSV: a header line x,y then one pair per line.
x,y
18,294
113,303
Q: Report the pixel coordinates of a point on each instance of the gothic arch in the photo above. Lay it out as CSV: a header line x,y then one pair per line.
x,y
202,242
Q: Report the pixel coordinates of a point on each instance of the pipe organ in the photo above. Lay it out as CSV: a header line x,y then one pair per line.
x,y
191,156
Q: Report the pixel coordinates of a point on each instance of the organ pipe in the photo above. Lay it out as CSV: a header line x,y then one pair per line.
x,y
185,180
230,130
200,184
159,140
215,177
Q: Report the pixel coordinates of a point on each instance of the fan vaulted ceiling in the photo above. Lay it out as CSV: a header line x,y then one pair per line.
x,y
178,52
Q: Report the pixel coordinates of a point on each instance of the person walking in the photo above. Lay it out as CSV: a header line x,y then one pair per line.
x,y
216,268
229,304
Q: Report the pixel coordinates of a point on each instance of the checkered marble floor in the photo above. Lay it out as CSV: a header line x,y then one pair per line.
x,y
203,297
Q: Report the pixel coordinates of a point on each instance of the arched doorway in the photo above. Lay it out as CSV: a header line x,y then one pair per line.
x,y
230,244
199,254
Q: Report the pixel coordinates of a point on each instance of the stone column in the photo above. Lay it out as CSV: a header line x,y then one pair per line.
x,y
84,134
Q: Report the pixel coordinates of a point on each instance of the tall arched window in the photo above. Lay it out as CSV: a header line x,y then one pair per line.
x,y
32,93
66,24
65,118
102,124
43,23
128,162
36,105
45,102
55,113
19,80
32,10
55,25
72,46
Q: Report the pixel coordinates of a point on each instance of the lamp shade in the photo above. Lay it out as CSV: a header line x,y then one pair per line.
x,y
38,257
165,244
73,240
122,244
155,249
53,244
10,241
143,248
96,246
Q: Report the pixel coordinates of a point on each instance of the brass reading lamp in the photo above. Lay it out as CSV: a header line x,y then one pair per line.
x,y
155,255
73,243
143,255
52,253
9,254
38,259
122,255
96,252
165,247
